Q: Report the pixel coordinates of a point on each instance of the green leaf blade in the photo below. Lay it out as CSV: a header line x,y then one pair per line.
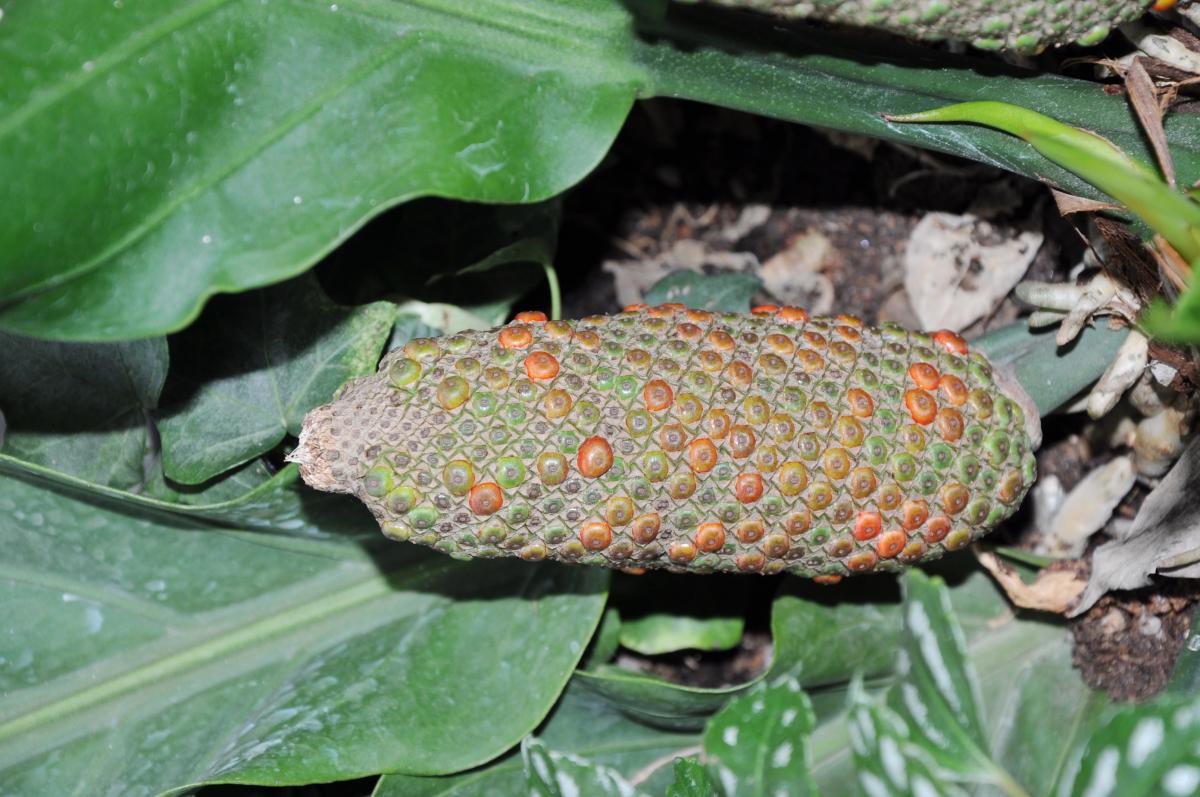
x,y
222,656
759,741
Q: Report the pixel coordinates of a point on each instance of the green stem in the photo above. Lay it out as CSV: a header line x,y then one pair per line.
x,y
555,291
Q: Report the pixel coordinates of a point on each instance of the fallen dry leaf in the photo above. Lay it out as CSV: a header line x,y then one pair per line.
x,y
1164,537
1052,590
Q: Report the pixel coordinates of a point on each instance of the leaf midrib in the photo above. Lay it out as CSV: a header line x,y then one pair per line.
x,y
19,736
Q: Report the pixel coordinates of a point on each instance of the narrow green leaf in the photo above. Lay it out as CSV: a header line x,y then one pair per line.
x,y
246,375
152,653
691,780
1148,749
82,409
1095,159
606,641
727,291
549,773
759,742
664,633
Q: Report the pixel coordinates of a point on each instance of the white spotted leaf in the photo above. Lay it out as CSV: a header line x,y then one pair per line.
x,y
1147,749
758,744
937,694
549,773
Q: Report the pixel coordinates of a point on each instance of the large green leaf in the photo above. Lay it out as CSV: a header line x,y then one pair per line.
x,y
159,153
82,409
145,653
256,364
581,724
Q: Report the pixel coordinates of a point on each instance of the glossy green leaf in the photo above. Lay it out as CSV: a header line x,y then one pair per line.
x,y
1149,749
159,154
726,291
147,652
824,633
82,409
222,147
1051,374
247,374
691,780
758,743
250,497
665,633
581,724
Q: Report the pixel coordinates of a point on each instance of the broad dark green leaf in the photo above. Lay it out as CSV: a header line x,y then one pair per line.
x,y
160,153
82,409
145,652
581,724
727,291
758,743
164,152
245,376
1149,749
691,780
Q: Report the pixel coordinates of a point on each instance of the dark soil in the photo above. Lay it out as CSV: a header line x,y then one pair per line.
x,y
680,171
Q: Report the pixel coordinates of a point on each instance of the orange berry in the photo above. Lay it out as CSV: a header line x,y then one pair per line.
x,y
860,402
954,388
689,331
950,341
765,309
596,535
750,531
793,314
937,529
867,526
645,527
827,580
740,374
517,337
920,405
557,402
681,552
710,537
720,339
914,513
485,498
657,395
541,365
748,487
950,423
595,457
633,308
925,375
891,543
702,455
530,316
